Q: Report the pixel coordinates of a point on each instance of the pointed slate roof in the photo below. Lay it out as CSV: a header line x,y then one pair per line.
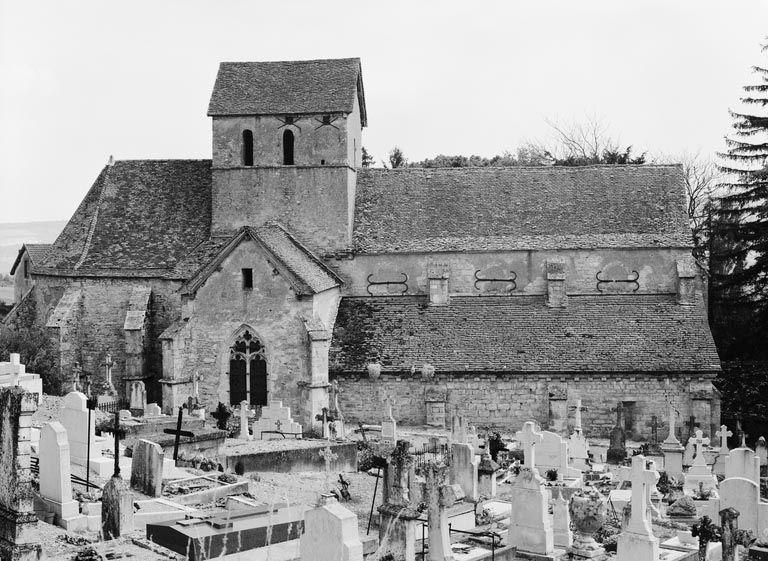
x,y
288,87
524,208
305,271
600,333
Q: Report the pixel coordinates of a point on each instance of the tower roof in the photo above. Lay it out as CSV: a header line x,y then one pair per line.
x,y
288,87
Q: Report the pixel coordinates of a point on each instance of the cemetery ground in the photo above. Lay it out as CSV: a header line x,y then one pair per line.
x,y
182,488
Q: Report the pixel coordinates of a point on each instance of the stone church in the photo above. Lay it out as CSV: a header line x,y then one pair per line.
x,y
281,264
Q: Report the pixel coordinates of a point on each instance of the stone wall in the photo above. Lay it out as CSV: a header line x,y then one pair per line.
x,y
18,523
508,401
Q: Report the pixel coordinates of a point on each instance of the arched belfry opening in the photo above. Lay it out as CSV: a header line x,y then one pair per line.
x,y
247,147
247,370
288,139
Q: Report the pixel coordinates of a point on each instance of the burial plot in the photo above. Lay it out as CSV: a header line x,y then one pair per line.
x,y
275,422
19,539
210,537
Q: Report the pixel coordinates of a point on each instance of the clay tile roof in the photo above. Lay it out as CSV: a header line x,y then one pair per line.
x,y
288,87
140,218
454,209
36,251
606,333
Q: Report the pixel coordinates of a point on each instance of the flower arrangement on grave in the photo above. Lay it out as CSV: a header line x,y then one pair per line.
x,y
551,475
702,494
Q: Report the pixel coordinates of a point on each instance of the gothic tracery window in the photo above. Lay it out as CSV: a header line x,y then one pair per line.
x,y
248,370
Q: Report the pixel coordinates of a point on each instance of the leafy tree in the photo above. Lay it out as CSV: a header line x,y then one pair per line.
x,y
367,158
396,158
37,353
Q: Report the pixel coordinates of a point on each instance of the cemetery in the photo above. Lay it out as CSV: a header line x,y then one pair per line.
x,y
91,482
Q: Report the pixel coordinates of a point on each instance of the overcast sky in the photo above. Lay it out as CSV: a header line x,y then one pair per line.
x,y
81,80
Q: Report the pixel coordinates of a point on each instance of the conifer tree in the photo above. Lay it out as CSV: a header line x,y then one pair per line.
x,y
739,240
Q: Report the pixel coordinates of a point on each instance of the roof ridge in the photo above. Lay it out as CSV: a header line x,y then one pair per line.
x,y
288,61
532,168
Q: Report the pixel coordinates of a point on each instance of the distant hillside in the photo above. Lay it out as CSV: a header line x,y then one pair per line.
x,y
14,234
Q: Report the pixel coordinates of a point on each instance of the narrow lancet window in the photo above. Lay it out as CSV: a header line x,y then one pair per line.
x,y
247,148
288,148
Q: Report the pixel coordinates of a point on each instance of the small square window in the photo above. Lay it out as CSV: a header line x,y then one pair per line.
x,y
326,119
247,279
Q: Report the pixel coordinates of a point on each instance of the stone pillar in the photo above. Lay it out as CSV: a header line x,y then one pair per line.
x,y
556,295
116,508
319,340
19,540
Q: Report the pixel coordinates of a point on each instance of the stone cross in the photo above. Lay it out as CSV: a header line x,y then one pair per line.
x,y
529,437
691,423
699,441
724,433
672,438
643,480
77,370
654,426
278,424
577,409
333,396
195,383
244,432
619,410
328,456
108,363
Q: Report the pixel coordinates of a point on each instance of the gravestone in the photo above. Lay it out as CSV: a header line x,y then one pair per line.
x,y
743,462
275,420
617,448
743,495
552,453
486,475
530,526
577,442
463,468
244,433
699,476
438,498
389,427
723,434
689,454
138,398
561,521
398,515
19,539
152,411
672,449
653,441
74,417
147,468
330,532
458,430
55,476
116,498
637,542
761,449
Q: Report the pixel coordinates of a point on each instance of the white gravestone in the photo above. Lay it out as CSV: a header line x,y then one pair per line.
x,y
552,453
389,428
55,482
138,398
699,475
743,462
561,520
744,495
244,433
530,526
275,418
723,434
152,410
637,542
13,373
463,466
330,532
577,443
74,417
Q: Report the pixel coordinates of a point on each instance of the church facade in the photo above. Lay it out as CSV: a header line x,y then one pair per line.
x,y
281,264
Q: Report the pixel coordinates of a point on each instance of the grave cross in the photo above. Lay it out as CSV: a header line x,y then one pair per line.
x,y
179,433
119,433
671,437
529,437
328,456
619,410
77,371
743,435
654,426
643,480
699,441
691,423
723,433
577,409
108,363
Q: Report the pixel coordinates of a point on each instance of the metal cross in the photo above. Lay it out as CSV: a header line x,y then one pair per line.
x,y
654,425
691,424
118,433
179,433
619,410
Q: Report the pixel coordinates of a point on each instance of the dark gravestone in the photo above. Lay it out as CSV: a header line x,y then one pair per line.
x,y
617,449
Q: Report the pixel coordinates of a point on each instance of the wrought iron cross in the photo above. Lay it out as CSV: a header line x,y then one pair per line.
x,y
692,424
619,410
118,433
654,426
179,433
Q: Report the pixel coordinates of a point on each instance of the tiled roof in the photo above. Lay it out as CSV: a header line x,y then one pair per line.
x,y
36,251
306,272
140,218
620,333
454,209
287,87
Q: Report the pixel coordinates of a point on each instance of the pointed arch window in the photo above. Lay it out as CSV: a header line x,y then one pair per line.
x,y
247,147
247,370
288,139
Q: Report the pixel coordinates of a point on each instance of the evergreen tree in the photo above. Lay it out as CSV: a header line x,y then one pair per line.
x,y
739,241
367,158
